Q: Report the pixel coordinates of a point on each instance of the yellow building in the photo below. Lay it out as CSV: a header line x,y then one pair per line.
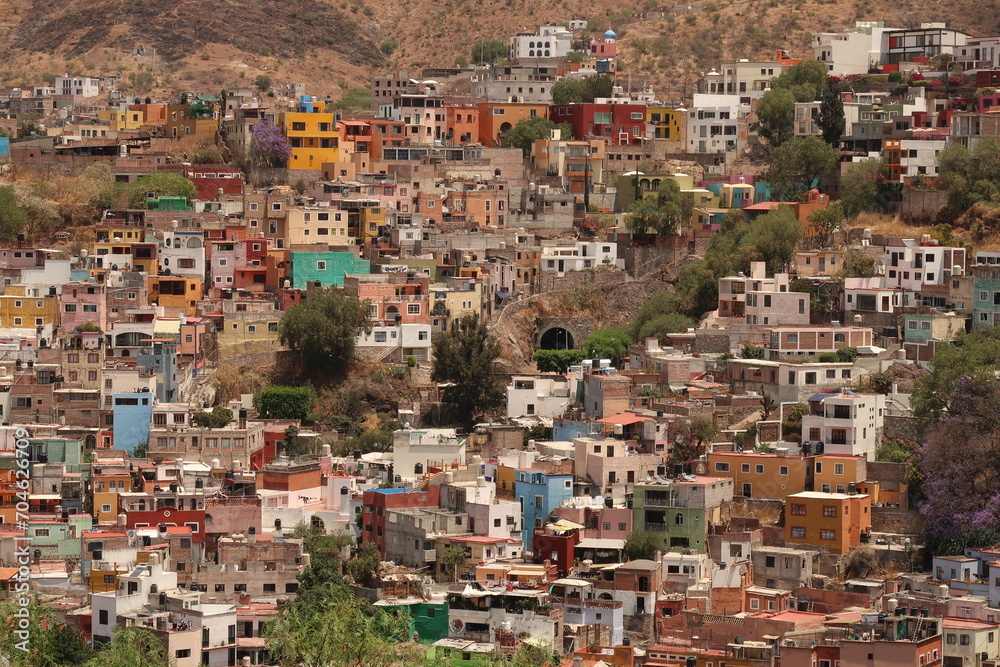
x,y
119,119
833,473
19,308
757,475
834,521
248,333
667,123
314,224
312,132
449,305
178,295
106,489
104,576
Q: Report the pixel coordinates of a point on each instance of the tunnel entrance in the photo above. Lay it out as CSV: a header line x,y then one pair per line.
x,y
556,338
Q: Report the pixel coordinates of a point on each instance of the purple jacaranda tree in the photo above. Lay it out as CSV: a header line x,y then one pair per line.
x,y
961,461
268,146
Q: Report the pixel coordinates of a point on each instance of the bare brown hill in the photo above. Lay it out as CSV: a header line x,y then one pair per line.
x,y
334,44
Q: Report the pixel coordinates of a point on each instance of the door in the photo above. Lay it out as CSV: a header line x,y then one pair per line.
x,y
747,490
562,266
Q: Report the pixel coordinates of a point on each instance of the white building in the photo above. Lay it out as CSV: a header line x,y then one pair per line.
x,y
183,254
414,451
757,299
398,341
713,123
854,51
580,256
919,157
551,41
846,423
543,396
77,86
579,601
919,263
746,79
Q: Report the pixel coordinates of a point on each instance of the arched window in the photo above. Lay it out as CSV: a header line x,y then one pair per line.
x,y
546,53
679,519
531,45
531,54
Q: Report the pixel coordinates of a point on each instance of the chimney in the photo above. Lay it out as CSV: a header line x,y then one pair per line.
x,y
243,418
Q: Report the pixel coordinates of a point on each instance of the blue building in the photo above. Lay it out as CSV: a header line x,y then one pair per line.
x,y
539,493
133,414
161,359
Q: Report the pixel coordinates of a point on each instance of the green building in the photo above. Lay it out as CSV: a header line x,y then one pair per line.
x,y
682,508
326,268
165,203
459,653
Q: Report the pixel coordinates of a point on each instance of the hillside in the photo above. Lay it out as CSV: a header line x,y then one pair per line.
x,y
335,44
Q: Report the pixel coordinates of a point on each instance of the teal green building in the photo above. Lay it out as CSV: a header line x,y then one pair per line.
x,y
326,268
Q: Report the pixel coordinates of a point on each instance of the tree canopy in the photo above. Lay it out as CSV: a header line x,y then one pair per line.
x,y
831,116
643,545
488,52
798,165
971,356
12,216
971,176
556,361
159,184
658,317
661,213
610,343
806,80
863,186
587,89
776,113
324,327
278,402
268,146
825,222
466,358
528,131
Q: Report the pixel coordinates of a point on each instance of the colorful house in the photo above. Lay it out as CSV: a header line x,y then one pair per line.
x,y
312,132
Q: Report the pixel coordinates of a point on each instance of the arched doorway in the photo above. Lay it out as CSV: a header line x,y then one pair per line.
x,y
556,338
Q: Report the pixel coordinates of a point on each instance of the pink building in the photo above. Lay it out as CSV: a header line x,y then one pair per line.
x,y
84,303
391,297
226,256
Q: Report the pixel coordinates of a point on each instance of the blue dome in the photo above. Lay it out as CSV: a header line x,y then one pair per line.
x,y
610,34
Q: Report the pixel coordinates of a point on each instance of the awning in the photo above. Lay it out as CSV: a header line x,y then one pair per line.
x,y
625,419
564,525
595,543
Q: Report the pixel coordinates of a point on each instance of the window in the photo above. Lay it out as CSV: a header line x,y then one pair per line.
x,y
830,511
182,653
321,265
102,617
827,534
721,467
413,309
759,469
783,470
745,467
798,532
799,510
838,468
380,337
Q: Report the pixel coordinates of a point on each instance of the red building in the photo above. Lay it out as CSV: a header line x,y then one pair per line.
x,y
620,124
557,546
376,501
169,517
208,179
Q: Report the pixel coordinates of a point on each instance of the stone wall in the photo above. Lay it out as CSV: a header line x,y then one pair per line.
x,y
549,281
900,428
896,520
922,205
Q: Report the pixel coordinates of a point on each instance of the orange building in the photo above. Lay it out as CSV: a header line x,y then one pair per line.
x,y
386,134
498,118
461,123
757,475
834,521
177,294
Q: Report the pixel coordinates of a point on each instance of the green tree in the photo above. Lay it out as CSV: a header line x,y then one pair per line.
x,y
159,184
972,356
278,402
862,185
775,235
364,565
451,557
656,304
971,176
556,361
294,445
806,80
12,216
697,289
389,46
339,630
46,643
826,222
793,419
643,544
528,655
798,164
609,343
488,52
207,153
751,351
831,116
219,417
466,358
569,91
324,327
663,213
776,112
263,82
132,646
663,325
528,131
